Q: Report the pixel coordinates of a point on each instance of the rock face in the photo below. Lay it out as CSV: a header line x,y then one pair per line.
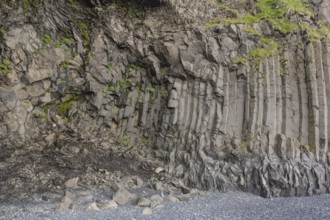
x,y
154,76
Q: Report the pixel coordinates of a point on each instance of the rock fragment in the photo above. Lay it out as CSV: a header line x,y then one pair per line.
x,y
117,186
92,207
138,181
72,183
147,211
184,197
159,170
121,196
156,201
173,199
66,203
109,205
157,186
143,202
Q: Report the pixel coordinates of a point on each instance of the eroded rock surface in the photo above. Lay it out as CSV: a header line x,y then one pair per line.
x,y
157,83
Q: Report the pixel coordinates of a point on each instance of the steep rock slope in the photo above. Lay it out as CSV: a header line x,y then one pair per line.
x,y
151,78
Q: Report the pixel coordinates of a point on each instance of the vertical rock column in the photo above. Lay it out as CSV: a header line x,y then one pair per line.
x,y
313,99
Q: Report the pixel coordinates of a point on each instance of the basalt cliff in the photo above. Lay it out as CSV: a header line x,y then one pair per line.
x,y
225,95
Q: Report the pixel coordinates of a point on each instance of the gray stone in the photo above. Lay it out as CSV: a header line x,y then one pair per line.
x,y
46,98
8,97
156,201
229,44
173,199
42,65
122,196
324,13
143,202
138,181
147,211
159,170
97,100
19,36
3,131
72,183
109,205
35,74
157,186
173,103
129,111
66,203
11,121
117,186
93,86
36,89
184,197
92,207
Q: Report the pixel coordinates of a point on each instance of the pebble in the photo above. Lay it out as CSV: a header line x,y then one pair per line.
x,y
92,207
121,196
109,205
147,211
143,202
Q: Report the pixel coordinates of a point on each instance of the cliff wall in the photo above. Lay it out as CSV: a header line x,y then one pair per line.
x,y
154,80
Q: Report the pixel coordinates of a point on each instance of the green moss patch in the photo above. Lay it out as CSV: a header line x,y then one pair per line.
x,y
47,39
85,32
275,12
65,106
2,34
5,66
267,48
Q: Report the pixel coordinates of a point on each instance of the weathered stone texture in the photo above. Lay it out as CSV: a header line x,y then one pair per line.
x,y
260,127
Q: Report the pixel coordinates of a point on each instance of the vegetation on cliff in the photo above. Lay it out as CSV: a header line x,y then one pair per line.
x,y
284,16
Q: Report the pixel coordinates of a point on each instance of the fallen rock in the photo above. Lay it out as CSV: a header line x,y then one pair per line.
x,y
109,205
180,185
72,183
66,203
143,202
159,170
138,181
147,211
156,201
121,196
87,198
117,186
157,186
184,197
202,193
173,199
185,190
92,207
